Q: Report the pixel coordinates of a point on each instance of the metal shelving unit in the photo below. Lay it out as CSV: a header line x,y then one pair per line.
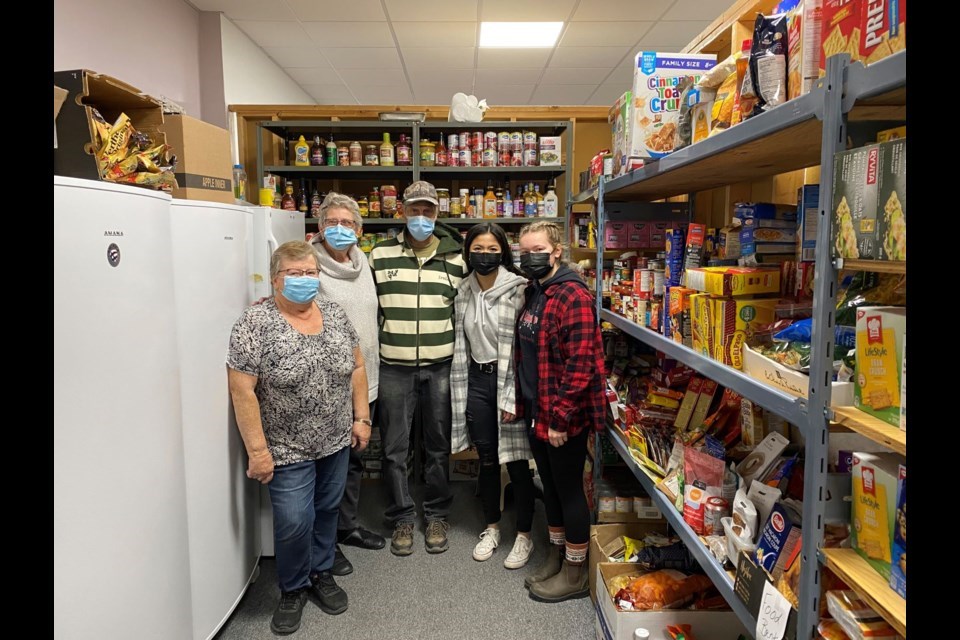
x,y
457,222
800,133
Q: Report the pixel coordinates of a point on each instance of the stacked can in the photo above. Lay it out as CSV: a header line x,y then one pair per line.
x,y
504,149
453,150
489,154
529,155
463,150
516,148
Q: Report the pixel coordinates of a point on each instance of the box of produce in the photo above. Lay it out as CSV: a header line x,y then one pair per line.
x,y
203,169
734,281
788,379
892,198
656,98
874,508
880,334
733,321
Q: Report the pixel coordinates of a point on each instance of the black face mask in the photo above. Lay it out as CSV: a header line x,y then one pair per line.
x,y
485,263
535,265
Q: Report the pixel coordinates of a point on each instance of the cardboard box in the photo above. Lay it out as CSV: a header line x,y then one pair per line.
x,y
892,200
59,96
638,235
74,155
808,213
606,541
883,29
903,387
612,624
803,52
707,391
620,118
779,535
616,235
874,508
680,321
551,151
734,281
203,168
789,381
856,178
733,322
880,333
701,323
658,235
764,211
840,30
752,234
464,466
656,99
891,134
898,564
749,588
702,118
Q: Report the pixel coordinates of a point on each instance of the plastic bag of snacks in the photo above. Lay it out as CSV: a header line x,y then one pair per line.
x,y
665,589
768,63
127,156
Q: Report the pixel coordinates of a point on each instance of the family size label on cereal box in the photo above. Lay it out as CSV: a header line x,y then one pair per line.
x,y
656,98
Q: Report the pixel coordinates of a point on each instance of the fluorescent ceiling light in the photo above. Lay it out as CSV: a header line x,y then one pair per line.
x,y
519,35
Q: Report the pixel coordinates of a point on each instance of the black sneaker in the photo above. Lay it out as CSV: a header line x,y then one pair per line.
x,y
333,599
286,617
341,566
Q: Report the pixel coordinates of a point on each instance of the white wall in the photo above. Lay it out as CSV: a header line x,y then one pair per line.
x,y
152,44
250,77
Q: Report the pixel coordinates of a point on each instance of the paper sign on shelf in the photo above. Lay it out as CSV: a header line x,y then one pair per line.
x,y
773,615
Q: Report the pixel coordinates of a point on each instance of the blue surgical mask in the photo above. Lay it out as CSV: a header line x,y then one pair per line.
x,y
339,237
420,227
300,289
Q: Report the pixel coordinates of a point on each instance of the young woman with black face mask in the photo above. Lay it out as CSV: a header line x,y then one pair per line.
x,y
482,387
560,395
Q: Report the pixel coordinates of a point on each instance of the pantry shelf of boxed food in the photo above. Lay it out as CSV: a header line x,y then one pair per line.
x,y
709,331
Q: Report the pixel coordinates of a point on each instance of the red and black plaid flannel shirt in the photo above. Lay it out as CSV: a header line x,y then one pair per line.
x,y
570,386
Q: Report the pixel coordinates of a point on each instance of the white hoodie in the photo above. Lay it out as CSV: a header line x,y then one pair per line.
x,y
481,317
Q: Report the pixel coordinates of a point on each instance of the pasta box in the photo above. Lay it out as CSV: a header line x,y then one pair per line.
x,y
734,320
778,536
656,98
734,281
892,200
856,182
874,508
880,333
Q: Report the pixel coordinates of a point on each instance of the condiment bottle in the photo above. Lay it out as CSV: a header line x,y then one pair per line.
x,y
356,154
551,204
316,152
440,156
507,203
315,202
386,152
343,155
363,206
489,202
374,204
404,152
499,194
303,204
371,156
331,152
538,197
289,203
301,153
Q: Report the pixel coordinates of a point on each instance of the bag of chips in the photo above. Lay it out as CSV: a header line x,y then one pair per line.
x,y
768,63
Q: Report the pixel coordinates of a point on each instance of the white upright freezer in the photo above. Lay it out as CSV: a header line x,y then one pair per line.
x,y
210,247
121,554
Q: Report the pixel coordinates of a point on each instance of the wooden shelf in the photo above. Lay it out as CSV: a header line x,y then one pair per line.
x,y
877,430
879,266
869,585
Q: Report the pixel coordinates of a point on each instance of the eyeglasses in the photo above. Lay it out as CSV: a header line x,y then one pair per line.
x,y
349,224
298,273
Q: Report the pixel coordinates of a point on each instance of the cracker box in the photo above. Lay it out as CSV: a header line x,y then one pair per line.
x,y
874,508
551,151
891,134
880,332
734,281
808,212
856,178
840,30
734,320
903,387
656,98
701,314
898,564
803,48
892,200
883,29
620,119
680,322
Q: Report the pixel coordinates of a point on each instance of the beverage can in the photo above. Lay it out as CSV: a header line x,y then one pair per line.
x,y
715,509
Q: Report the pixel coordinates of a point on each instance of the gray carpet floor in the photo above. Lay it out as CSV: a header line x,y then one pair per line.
x,y
426,596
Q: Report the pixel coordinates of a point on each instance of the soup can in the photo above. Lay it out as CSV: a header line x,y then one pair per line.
x,y
503,141
476,141
643,283
465,157
658,282
489,158
516,141
715,509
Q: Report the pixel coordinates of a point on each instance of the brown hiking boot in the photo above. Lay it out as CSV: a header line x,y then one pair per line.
x,y
572,582
548,568
436,536
402,542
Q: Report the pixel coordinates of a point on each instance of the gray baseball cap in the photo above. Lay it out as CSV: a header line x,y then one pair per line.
x,y
420,191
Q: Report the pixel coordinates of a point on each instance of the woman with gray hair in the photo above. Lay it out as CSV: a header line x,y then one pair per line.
x,y
346,279
299,388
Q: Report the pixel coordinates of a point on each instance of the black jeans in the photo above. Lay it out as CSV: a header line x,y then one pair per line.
x,y
351,492
481,414
402,389
561,469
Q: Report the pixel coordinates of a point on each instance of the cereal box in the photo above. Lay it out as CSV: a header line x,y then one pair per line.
x,y
840,30
883,28
856,178
898,560
734,321
808,212
656,98
620,118
874,507
892,200
880,332
803,48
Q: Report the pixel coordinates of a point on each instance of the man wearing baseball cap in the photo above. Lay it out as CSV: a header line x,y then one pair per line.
x,y
417,274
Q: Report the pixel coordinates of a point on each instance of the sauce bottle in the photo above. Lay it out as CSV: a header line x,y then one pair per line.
x,y
374,201
288,202
489,202
356,154
386,152
315,202
551,204
404,152
331,152
507,203
539,200
316,152
499,195
440,155
303,204
301,153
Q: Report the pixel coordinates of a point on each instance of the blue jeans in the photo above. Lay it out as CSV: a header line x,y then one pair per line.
x,y
306,500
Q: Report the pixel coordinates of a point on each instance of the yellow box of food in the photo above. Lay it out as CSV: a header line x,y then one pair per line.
x,y
734,281
734,320
891,134
880,333
701,321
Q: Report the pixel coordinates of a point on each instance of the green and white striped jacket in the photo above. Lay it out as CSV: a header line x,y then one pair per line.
x,y
416,301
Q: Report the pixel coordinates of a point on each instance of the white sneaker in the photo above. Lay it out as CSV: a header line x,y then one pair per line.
x,y
489,540
520,554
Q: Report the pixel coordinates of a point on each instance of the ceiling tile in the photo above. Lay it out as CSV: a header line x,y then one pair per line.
x,y
305,56
587,34
672,33
697,10
436,34
330,94
555,75
509,76
587,57
362,58
606,94
372,76
562,94
512,58
622,75
336,10
432,10
526,11
436,93
273,10
502,94
272,34
438,57
594,10
314,76
382,94
421,77
349,34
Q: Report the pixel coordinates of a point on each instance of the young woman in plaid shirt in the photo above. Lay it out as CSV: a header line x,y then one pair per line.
x,y
560,395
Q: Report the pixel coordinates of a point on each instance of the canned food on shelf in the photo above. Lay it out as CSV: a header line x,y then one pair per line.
x,y
490,140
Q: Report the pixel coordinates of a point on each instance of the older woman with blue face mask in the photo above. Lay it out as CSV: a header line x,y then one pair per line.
x,y
299,388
